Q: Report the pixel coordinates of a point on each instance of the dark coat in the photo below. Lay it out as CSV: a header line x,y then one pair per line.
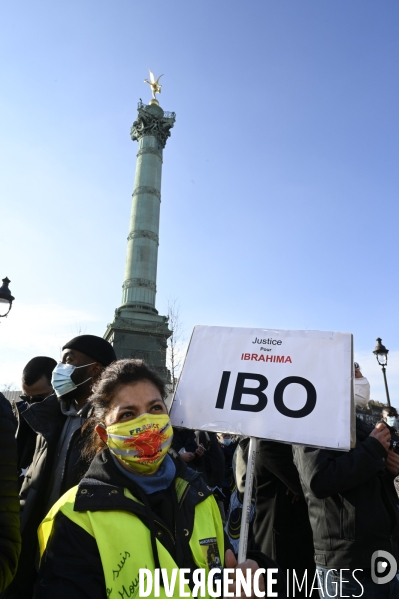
x,y
10,539
46,420
351,500
281,528
26,442
71,565
228,452
211,464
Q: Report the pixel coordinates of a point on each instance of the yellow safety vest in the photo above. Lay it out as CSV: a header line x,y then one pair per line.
x,y
124,541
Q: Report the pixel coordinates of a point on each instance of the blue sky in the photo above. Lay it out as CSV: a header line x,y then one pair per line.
x,y
280,180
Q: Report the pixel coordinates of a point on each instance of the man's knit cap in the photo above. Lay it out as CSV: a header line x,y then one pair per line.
x,y
96,347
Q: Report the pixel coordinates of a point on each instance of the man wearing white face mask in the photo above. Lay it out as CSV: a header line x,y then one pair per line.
x,y
362,388
390,416
352,506
57,464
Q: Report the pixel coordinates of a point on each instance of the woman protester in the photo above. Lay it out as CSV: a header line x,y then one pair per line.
x,y
137,507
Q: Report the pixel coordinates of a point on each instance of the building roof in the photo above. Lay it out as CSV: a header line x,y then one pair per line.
x,y
12,395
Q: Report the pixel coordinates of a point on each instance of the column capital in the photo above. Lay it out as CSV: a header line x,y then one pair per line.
x,y
152,120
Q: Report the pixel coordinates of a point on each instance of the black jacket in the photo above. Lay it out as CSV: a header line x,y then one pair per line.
x,y
351,501
10,539
26,442
228,453
281,527
71,565
211,464
46,420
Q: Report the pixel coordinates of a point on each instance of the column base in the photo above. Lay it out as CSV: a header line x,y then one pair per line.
x,y
140,334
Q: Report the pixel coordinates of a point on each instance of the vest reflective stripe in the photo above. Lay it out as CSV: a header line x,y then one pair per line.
x,y
124,542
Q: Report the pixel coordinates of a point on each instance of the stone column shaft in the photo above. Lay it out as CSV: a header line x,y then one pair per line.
x,y
151,130
142,251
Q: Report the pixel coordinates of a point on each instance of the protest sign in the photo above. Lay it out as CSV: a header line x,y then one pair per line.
x,y
291,386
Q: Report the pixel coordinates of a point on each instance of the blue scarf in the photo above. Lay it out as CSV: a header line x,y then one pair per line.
x,y
161,480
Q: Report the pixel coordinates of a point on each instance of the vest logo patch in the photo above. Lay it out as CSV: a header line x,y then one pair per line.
x,y
208,541
210,552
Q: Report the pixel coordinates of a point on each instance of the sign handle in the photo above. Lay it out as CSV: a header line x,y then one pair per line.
x,y
246,506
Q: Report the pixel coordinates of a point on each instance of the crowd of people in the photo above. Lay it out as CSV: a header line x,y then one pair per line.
x,y
96,484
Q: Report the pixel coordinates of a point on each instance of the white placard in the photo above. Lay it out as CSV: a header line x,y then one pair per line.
x,y
292,386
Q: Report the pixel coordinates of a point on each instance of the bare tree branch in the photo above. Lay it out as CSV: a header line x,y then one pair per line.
x,y
174,357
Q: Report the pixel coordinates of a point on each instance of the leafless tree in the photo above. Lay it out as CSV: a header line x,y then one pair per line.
x,y
79,329
174,355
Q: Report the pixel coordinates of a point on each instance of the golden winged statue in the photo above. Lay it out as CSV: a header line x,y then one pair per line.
x,y
155,87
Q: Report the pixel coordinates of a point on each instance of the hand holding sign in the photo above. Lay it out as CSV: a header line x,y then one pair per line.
x,y
255,578
382,434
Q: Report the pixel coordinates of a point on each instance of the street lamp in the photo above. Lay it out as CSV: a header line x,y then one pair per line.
x,y
381,353
6,299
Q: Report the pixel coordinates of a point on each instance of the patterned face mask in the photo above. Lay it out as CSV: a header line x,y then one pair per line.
x,y
141,443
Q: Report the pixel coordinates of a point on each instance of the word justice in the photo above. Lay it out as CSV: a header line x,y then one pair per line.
x,y
268,341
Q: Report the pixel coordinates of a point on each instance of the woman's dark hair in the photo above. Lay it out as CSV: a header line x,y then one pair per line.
x,y
116,375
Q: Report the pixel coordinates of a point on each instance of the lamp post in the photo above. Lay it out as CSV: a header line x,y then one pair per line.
x,y
6,299
381,353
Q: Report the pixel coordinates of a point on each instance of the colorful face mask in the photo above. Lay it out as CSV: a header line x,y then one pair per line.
x,y
142,443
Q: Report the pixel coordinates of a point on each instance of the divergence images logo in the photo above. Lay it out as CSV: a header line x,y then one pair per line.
x,y
383,567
